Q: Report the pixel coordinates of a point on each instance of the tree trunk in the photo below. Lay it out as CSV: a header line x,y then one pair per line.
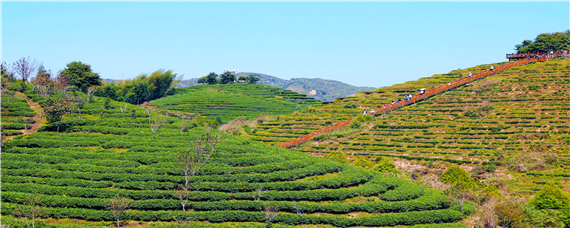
x,y
58,125
79,111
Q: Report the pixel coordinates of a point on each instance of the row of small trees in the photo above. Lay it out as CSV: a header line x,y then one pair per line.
x,y
226,78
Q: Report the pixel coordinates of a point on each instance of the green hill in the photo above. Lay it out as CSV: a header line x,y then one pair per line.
x,y
510,126
228,101
324,90
118,150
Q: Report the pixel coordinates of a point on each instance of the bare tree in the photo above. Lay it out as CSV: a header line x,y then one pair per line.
x,y
26,122
30,210
61,83
183,193
184,125
270,213
123,108
193,159
258,193
297,208
79,101
25,67
118,206
91,91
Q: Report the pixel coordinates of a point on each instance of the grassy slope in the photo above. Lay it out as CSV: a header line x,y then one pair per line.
x,y
234,100
76,172
525,134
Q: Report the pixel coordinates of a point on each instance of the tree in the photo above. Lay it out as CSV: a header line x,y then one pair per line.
x,y
202,80
42,83
79,100
252,79
227,78
271,213
461,184
242,78
61,84
81,75
57,108
212,78
546,42
25,67
30,210
161,82
118,205
6,73
192,160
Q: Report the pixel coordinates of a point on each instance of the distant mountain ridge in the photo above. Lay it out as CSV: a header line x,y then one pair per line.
x,y
322,89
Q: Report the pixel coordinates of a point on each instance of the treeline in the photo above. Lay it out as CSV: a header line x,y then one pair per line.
x,y
143,88
546,42
226,78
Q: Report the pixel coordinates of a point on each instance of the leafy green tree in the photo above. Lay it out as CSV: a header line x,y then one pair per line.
x,y
161,82
203,80
243,78
457,176
546,42
252,79
212,78
81,75
227,78
552,200
56,108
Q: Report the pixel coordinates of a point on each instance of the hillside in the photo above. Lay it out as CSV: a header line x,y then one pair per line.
x,y
325,90
228,101
510,126
121,150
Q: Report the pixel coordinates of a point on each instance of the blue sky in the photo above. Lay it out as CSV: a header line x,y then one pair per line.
x,y
364,43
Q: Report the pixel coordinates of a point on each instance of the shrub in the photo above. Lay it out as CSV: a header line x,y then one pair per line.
x,y
338,156
457,176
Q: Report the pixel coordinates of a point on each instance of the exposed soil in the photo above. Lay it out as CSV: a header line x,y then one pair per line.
x,y
39,117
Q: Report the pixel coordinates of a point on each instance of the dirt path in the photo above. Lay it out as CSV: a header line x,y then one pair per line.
x,y
39,117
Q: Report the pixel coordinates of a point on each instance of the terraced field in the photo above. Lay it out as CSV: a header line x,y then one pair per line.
x,y
500,122
17,116
114,151
228,101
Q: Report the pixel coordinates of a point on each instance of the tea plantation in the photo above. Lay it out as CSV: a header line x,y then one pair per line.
x,y
118,150
515,122
228,101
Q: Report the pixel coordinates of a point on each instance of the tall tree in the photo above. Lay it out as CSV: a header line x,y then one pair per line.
x,y
212,78
252,79
227,78
81,75
25,67
192,160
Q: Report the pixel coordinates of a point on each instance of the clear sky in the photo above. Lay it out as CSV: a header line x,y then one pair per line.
x,y
364,43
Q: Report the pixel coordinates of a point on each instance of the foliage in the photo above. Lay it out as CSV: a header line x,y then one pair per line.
x,y
363,162
546,42
227,78
81,75
457,176
385,165
143,88
338,156
56,108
